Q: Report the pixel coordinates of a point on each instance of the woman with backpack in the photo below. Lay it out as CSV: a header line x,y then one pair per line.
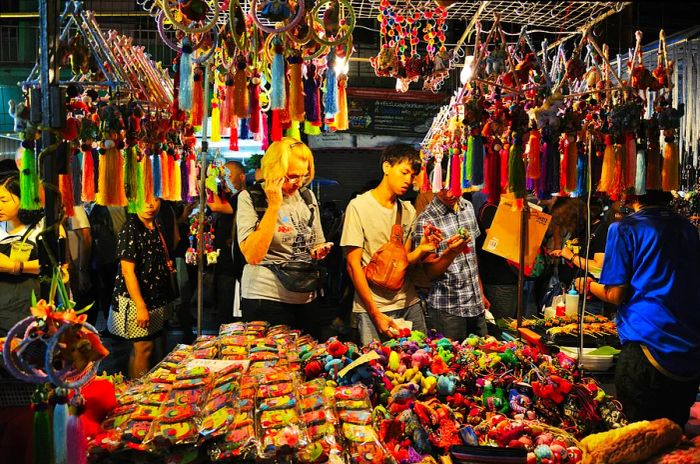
x,y
279,231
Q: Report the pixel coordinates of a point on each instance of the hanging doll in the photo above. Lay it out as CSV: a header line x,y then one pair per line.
x,y
276,10
386,63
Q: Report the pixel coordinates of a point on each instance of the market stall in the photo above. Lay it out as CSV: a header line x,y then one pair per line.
x,y
526,118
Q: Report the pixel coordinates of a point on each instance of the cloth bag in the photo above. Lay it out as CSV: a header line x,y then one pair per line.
x,y
388,265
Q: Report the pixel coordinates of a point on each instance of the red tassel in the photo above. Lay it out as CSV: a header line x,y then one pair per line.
x,y
88,184
265,132
533,154
66,184
653,163
456,174
504,155
618,186
276,125
147,178
197,98
341,119
233,138
567,177
492,168
255,116
165,169
631,158
425,181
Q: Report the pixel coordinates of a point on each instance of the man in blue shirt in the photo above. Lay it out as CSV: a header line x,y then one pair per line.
x,y
456,301
652,271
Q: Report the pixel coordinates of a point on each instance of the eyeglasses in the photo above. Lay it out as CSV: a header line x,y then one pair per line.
x,y
294,179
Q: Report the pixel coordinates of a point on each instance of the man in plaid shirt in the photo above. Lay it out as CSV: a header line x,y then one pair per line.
x,y
456,302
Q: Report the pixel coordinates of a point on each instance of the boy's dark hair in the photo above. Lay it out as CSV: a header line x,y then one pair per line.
x,y
655,198
400,152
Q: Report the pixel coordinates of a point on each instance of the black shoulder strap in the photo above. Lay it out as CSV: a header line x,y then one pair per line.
x,y
399,212
309,200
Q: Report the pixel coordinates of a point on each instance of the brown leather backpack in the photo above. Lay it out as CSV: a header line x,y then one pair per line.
x,y
387,268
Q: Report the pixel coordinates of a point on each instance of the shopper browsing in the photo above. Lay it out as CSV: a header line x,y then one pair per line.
x,y
651,269
456,301
279,231
369,221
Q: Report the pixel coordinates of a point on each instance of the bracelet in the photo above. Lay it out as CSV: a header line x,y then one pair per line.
x,y
588,286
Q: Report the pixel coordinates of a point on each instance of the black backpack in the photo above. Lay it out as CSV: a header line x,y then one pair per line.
x,y
259,200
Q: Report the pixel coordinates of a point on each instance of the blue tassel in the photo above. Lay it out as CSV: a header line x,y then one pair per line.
x,y
186,76
478,161
330,102
582,175
279,91
60,421
640,179
243,126
157,183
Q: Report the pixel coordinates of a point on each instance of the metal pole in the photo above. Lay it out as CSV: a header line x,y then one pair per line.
x,y
51,102
521,260
202,203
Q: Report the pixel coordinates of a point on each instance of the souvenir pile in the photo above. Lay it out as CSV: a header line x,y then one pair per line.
x,y
262,392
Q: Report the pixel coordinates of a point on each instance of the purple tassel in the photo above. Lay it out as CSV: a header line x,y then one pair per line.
x,y
311,94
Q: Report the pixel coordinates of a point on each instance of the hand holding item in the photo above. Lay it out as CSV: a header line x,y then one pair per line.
x,y
457,244
583,283
432,234
321,250
386,325
273,191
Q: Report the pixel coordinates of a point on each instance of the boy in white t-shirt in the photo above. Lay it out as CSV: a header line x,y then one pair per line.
x,y
368,222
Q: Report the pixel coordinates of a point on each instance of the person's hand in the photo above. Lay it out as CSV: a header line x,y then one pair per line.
x,y
456,245
580,284
142,317
487,303
320,251
385,325
273,191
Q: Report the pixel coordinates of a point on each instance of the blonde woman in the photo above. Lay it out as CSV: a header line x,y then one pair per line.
x,y
279,231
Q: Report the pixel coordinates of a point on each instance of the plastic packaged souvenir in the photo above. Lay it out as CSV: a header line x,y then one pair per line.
x,y
311,387
363,445
312,402
224,389
277,418
197,372
238,443
215,423
279,402
352,404
214,403
354,392
210,352
275,389
358,417
175,426
136,431
119,417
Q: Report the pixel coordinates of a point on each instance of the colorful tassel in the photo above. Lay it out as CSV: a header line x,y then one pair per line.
x,y
330,101
607,175
148,181
631,159
278,94
265,142
215,121
276,132
75,435
311,129
505,157
130,182
492,181
30,199
60,422
582,175
296,93
254,92
543,193
341,118
157,173
228,105
243,128
165,175
478,161
66,188
654,164
436,183
571,162
41,443
88,175
425,181
136,185
468,163
311,95
111,177
192,176
197,97
455,174
641,173
669,169
233,138
186,76
618,186
76,176
241,90
178,190
516,167
532,152
293,131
